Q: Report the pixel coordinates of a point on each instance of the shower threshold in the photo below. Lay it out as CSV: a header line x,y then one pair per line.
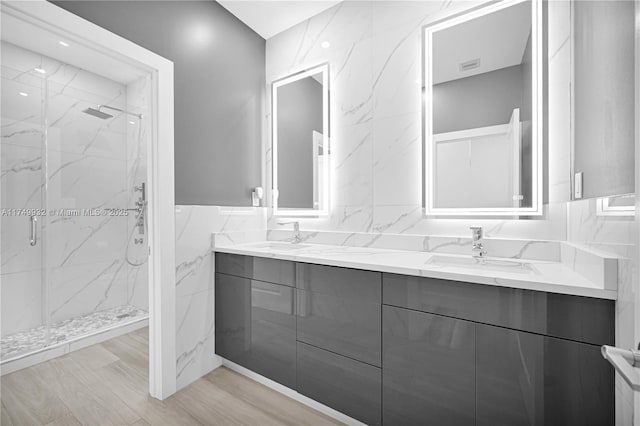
x,y
24,344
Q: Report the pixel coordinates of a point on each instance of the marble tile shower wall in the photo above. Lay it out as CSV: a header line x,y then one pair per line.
x,y
83,257
138,134
375,83
195,280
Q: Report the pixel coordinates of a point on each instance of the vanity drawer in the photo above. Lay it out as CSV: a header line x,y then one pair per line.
x,y
583,319
351,387
257,268
339,309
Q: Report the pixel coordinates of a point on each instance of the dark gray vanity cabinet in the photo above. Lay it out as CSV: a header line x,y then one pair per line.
x,y
528,379
428,369
464,353
313,328
256,325
401,350
339,310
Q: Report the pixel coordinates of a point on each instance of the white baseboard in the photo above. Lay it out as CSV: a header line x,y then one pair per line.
x,y
292,394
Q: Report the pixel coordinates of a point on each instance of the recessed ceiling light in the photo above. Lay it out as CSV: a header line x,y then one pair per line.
x,y
23,94
40,70
63,43
132,122
325,45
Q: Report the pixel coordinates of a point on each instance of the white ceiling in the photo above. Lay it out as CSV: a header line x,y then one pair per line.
x,y
36,39
498,39
268,18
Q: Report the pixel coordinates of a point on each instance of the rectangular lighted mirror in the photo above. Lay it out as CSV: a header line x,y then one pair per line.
x,y
483,112
300,145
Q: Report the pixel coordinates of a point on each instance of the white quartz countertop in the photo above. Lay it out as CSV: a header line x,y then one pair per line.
x,y
553,277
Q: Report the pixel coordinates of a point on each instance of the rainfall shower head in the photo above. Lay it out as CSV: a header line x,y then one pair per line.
x,y
97,113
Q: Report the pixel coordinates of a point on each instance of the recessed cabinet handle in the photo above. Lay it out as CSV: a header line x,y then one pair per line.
x,y
33,238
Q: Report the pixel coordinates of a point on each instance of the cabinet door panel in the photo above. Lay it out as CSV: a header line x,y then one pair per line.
x,y
528,379
339,310
232,316
428,369
255,326
346,385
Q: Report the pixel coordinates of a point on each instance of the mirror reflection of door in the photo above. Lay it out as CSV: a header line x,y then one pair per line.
x,y
482,111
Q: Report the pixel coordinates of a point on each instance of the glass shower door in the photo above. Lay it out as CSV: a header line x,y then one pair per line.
x,y
73,166
24,317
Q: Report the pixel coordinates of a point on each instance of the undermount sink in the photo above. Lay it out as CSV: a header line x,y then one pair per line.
x,y
503,265
279,245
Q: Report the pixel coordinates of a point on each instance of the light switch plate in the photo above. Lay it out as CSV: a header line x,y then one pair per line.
x,y
577,186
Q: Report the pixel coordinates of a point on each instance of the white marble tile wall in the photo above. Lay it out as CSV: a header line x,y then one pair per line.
x,y
81,258
514,249
195,279
615,235
375,79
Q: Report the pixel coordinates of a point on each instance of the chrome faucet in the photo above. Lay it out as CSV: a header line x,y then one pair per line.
x,y
477,249
296,231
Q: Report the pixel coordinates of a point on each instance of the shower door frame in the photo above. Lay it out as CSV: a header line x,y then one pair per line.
x,y
160,172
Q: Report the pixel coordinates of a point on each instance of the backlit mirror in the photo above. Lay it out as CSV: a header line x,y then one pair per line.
x,y
300,123
482,112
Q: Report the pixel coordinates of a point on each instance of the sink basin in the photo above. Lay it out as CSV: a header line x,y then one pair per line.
x,y
503,265
279,245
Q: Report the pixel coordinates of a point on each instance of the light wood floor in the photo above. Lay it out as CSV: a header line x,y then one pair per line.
x,y
107,384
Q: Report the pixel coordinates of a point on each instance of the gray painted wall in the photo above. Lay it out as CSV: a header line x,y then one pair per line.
x,y
604,96
219,90
299,114
486,99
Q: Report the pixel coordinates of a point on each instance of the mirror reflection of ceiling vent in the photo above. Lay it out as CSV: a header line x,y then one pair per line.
x,y
469,65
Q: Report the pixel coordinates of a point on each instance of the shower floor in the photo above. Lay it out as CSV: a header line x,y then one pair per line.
x,y
32,340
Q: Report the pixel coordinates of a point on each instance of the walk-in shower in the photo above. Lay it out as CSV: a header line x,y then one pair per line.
x,y
73,262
